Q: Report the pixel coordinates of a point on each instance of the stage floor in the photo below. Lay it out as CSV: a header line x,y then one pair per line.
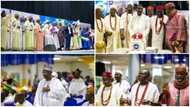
x,y
50,52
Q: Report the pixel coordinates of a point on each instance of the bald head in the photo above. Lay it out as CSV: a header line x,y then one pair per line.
x,y
170,7
144,76
181,69
180,73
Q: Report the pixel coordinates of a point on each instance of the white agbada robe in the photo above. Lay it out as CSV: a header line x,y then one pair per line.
x,y
55,37
113,41
8,99
124,86
158,38
49,40
77,87
116,95
55,97
124,23
99,34
9,38
152,94
65,85
140,24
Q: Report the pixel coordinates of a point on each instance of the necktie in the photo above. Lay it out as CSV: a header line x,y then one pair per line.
x,y
178,98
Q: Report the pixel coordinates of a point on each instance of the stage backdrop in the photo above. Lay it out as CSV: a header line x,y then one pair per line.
x,y
72,10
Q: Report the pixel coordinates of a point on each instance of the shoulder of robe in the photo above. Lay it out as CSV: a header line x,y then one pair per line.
x,y
56,79
117,87
101,87
43,80
153,17
117,15
123,15
106,17
152,84
165,16
81,79
125,81
146,17
179,14
135,85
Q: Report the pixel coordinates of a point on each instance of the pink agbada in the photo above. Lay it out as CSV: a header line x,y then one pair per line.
x,y
176,29
39,37
184,96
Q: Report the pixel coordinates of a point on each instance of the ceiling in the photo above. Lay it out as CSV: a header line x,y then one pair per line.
x,y
115,59
87,59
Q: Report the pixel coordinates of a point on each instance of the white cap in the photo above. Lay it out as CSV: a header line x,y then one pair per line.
x,y
119,71
113,6
97,7
47,68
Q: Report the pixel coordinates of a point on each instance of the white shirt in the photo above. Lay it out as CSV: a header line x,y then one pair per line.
x,y
113,41
100,35
124,86
49,40
152,94
54,97
157,38
55,37
116,94
9,99
140,24
78,87
123,21
113,22
65,85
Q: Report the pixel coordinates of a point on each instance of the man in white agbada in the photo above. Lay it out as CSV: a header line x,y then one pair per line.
x,y
158,28
112,25
123,84
54,31
124,23
108,94
140,24
144,92
5,30
99,30
77,87
50,91
49,39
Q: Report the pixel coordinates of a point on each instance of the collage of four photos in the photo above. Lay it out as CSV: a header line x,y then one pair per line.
x,y
95,53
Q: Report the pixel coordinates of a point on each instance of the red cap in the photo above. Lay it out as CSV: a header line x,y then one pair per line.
x,y
159,8
137,36
107,74
150,8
